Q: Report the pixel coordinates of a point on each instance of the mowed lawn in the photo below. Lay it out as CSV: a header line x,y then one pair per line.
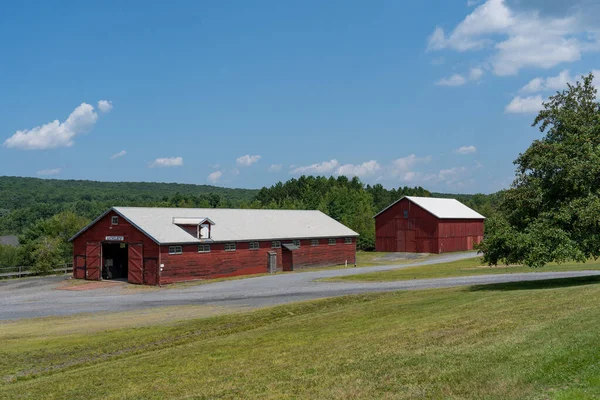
x,y
472,266
534,340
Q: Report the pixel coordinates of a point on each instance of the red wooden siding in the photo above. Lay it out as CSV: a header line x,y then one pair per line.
x,y
422,232
323,254
219,263
102,228
457,235
191,229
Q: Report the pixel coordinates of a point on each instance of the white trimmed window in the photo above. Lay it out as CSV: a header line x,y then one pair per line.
x,y
230,247
175,250
253,246
314,242
332,242
296,243
347,240
114,220
276,244
204,248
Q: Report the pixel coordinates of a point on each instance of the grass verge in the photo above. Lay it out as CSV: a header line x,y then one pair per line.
x,y
468,267
532,340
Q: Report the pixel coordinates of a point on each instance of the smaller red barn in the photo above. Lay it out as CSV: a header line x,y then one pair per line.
x,y
427,225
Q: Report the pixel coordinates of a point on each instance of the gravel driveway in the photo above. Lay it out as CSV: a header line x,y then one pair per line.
x,y
38,297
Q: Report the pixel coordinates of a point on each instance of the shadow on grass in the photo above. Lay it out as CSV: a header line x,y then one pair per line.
x,y
534,285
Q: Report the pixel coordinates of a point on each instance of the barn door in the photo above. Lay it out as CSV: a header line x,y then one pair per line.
x,y
134,263
79,267
150,271
93,255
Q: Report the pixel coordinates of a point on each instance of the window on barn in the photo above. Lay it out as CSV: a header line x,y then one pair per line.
x,y
175,250
348,240
114,220
276,244
296,243
254,246
405,213
332,242
314,242
230,247
204,248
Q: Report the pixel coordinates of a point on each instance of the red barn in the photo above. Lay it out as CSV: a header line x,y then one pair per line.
x,y
427,225
156,246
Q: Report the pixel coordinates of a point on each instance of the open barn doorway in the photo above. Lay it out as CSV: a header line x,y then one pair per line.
x,y
115,263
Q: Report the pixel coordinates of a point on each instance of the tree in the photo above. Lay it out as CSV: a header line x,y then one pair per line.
x,y
552,211
47,253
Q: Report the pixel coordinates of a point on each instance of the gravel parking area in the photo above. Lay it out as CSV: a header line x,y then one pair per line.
x,y
38,297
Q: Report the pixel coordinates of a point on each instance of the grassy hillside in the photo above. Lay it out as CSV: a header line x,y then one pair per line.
x,y
535,340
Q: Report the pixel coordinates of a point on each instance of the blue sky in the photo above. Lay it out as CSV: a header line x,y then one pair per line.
x,y
243,94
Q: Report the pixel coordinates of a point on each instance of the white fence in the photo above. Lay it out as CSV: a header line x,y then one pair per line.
x,y
20,272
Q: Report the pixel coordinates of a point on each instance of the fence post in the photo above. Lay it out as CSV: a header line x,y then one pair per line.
x,y
20,267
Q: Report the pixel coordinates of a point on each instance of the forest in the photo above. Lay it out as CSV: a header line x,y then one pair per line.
x,y
45,213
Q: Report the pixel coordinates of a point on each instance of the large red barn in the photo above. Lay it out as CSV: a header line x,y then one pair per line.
x,y
156,246
427,225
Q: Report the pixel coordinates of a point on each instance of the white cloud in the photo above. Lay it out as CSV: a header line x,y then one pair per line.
x,y
558,82
491,17
361,170
275,167
466,150
119,154
214,177
451,175
454,80
53,171
55,134
525,105
518,38
247,160
167,162
402,168
105,106
324,167
475,74
534,85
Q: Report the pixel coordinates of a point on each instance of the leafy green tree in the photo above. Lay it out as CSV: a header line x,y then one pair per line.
x,y
10,256
48,254
552,211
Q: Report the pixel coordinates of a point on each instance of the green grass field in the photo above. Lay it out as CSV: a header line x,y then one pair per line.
x,y
467,267
535,340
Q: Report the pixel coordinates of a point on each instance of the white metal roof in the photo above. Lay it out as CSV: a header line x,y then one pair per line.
x,y
442,208
234,224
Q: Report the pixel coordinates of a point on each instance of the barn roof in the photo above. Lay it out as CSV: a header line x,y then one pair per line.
x,y
231,224
442,208
9,240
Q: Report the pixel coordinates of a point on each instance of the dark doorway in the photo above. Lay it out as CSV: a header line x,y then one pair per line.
x,y
114,258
